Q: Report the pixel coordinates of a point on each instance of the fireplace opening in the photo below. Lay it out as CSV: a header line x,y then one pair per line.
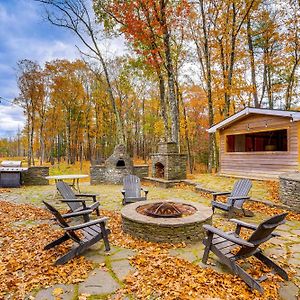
x,y
159,170
120,163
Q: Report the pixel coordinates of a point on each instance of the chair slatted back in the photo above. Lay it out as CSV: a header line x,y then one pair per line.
x,y
67,193
61,221
241,188
263,233
132,186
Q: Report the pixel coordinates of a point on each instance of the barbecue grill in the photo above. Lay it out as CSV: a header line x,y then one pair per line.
x,y
10,173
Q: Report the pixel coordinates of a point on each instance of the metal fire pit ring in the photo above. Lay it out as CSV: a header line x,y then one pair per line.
x,y
163,209
171,230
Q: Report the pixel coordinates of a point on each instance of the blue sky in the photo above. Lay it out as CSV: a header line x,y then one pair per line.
x,y
25,34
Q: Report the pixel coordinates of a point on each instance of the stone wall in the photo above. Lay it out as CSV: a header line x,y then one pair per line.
x,y
102,174
141,171
97,174
289,190
154,233
35,176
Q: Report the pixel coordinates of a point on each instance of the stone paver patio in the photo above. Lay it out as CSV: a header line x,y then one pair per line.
x,y
106,279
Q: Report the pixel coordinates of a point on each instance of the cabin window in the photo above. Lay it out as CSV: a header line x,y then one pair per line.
x,y
275,140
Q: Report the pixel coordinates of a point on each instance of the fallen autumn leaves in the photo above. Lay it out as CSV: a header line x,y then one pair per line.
x,y
164,277
161,276
24,265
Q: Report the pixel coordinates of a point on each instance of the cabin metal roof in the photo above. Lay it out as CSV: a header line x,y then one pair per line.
x,y
294,115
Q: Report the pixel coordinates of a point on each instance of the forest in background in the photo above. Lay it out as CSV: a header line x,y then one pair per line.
x,y
188,66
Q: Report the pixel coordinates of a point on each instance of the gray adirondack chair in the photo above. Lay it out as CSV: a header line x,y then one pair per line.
x,y
235,199
75,202
221,244
132,190
92,232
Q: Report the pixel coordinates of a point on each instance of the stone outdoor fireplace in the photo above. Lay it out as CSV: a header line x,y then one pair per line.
x,y
168,163
119,161
118,165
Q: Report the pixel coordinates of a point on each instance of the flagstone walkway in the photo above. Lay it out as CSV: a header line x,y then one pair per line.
x,y
108,276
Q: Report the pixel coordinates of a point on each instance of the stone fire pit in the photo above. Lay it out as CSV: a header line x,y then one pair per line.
x,y
187,228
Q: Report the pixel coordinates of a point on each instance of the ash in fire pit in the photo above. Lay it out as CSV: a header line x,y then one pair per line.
x,y
163,210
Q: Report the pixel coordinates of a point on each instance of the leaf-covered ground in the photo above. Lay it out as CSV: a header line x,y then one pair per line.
x,y
24,265
160,271
162,276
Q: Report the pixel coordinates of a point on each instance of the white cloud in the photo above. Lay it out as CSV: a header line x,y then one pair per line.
x,y
42,50
11,118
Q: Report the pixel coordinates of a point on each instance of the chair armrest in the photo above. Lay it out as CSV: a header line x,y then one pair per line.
x,y
220,193
228,237
241,224
87,224
239,198
75,200
216,194
244,224
77,213
86,195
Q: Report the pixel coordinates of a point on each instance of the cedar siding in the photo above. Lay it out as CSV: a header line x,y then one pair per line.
x,y
265,164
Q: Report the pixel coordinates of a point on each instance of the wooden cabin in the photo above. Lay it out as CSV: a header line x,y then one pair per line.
x,y
259,143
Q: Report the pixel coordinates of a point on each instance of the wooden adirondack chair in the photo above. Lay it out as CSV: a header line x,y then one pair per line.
x,y
132,190
222,243
75,202
92,231
235,199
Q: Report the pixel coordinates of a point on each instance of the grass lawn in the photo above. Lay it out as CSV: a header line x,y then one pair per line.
x,y
262,190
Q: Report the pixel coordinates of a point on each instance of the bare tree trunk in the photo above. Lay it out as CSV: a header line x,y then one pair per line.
x,y
31,140
163,106
58,149
69,148
28,142
42,144
252,63
269,87
174,110
289,88
186,130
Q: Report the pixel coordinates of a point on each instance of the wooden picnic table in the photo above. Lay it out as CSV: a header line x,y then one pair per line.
x,y
74,177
